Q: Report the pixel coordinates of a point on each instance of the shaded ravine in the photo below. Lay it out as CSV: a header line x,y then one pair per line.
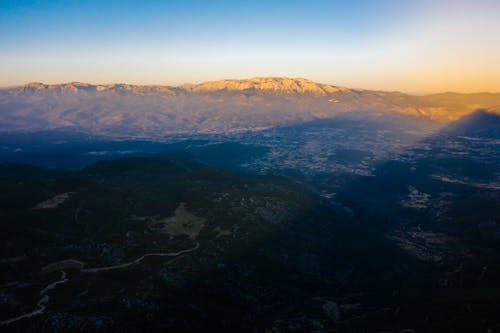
x,y
42,303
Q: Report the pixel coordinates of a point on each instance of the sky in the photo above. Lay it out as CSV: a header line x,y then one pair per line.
x,y
406,45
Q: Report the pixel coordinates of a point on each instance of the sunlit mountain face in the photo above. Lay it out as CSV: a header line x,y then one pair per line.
x,y
333,166
217,107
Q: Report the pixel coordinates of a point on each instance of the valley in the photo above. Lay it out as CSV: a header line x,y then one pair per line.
x,y
329,225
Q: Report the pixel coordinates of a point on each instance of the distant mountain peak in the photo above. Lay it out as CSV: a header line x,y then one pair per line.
x,y
72,86
282,85
274,85
82,87
34,85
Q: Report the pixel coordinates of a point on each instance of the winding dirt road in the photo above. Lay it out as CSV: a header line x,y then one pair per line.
x,y
138,260
42,303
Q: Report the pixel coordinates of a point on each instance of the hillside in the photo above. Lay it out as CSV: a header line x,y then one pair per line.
x,y
482,123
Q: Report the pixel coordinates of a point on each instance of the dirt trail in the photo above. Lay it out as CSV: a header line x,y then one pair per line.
x,y
42,303
138,260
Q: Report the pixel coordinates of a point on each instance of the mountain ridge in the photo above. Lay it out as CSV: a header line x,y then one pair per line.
x,y
215,107
270,84
229,84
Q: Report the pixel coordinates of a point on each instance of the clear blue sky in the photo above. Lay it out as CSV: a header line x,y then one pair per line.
x,y
415,46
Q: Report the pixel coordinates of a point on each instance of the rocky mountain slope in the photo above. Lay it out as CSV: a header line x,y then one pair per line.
x,y
213,107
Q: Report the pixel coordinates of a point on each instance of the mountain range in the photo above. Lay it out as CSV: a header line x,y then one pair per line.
x,y
226,106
